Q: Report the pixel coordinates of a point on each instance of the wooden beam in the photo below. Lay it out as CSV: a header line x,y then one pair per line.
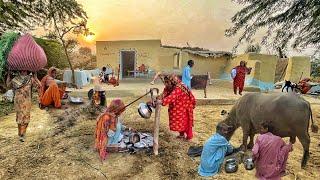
x,y
156,129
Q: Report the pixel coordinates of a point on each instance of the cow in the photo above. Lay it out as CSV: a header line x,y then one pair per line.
x,y
287,114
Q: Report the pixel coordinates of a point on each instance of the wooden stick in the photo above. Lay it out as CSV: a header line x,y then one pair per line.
x,y
156,129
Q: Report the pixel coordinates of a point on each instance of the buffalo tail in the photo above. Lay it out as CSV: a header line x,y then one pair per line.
x,y
314,128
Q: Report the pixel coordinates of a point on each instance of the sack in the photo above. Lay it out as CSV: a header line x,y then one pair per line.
x,y
26,54
233,73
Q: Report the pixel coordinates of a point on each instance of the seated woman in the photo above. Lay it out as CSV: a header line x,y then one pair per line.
x,y
181,104
270,154
109,128
50,93
111,134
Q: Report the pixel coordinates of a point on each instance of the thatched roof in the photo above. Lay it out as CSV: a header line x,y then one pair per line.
x,y
201,51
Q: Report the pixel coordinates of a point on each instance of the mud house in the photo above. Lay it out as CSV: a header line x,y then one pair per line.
x,y
130,54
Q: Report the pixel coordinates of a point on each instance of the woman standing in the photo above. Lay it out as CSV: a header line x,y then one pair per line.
x,y
238,81
181,104
22,86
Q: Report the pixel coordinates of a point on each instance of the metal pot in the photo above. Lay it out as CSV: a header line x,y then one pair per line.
x,y
231,165
144,110
134,138
249,164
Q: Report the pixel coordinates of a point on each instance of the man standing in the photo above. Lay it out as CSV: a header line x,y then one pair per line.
x,y
270,154
186,74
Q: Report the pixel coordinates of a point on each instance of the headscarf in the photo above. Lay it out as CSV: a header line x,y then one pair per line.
x,y
44,80
106,121
175,81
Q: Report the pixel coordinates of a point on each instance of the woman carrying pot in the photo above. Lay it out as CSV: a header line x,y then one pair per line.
x,y
22,86
181,104
109,128
239,79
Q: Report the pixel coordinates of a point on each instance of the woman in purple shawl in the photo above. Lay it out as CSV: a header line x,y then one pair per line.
x,y
270,154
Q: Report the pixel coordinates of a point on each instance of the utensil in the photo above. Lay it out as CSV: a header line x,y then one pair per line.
x,y
249,164
231,165
144,110
75,100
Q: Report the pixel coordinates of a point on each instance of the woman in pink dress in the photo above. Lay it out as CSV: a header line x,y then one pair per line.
x,y
270,154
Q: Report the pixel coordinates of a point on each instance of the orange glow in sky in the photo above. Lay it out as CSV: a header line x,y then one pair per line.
x,y
176,22
201,23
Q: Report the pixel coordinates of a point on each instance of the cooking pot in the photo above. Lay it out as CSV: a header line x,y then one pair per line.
x,y
231,165
249,164
134,138
144,110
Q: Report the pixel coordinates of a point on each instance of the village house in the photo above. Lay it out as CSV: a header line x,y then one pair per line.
x,y
130,54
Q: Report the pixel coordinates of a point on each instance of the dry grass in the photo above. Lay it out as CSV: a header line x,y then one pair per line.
x,y
63,148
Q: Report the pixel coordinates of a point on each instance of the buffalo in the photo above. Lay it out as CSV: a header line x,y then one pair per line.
x,y
287,114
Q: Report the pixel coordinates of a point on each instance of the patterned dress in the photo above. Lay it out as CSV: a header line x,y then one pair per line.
x,y
180,110
22,98
239,79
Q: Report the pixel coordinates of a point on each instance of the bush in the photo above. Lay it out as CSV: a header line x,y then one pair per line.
x,y
55,53
315,68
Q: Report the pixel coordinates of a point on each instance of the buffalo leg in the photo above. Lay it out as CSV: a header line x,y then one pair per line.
x,y
293,139
250,145
305,141
244,140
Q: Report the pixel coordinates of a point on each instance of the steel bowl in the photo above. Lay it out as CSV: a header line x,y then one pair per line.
x,y
144,110
231,166
249,164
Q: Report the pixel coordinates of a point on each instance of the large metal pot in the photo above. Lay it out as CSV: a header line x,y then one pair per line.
x,y
231,165
249,164
144,110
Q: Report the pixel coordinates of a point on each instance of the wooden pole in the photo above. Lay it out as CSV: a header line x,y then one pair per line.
x,y
156,129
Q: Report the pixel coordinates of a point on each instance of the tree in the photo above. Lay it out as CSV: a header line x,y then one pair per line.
x,y
292,23
85,51
54,51
253,48
20,15
315,65
64,17
61,17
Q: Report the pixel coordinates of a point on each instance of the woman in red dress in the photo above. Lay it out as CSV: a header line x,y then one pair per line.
x,y
181,104
238,81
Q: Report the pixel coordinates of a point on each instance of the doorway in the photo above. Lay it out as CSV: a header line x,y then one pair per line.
x,y
128,63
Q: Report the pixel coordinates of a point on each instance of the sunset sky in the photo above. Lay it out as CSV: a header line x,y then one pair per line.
x,y
175,22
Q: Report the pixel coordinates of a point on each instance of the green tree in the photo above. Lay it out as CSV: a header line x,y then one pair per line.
x,y
61,17
54,51
20,15
292,23
64,17
253,48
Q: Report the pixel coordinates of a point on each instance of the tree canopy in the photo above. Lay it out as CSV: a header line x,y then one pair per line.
x,y
293,23
27,14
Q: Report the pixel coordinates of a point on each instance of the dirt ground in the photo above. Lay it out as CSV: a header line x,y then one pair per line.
x,y
58,148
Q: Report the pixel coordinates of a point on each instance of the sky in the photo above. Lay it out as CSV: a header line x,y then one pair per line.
x,y
199,22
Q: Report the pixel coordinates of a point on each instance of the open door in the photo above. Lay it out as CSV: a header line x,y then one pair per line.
x,y
128,63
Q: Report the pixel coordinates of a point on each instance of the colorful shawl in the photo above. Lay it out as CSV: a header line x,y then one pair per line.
x,y
175,81
106,121
44,80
